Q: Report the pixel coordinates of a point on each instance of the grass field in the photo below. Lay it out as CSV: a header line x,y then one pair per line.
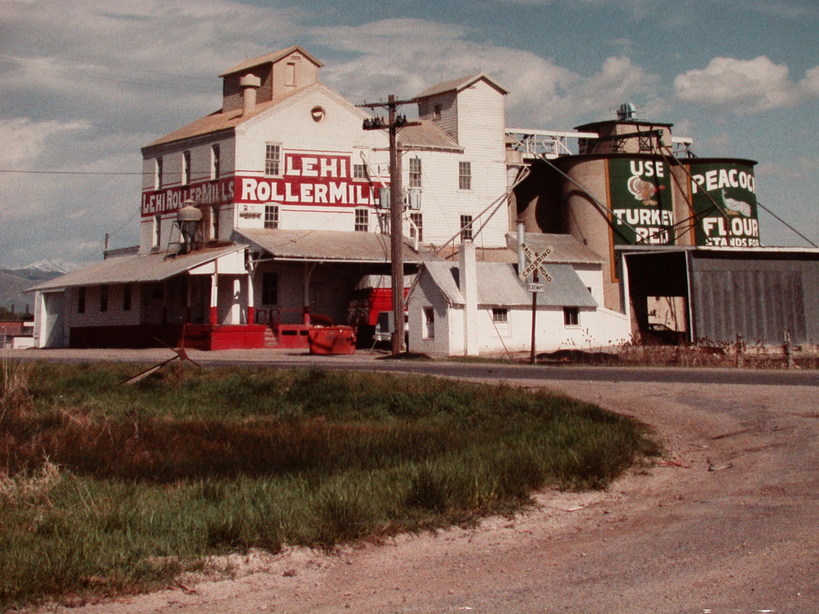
x,y
106,488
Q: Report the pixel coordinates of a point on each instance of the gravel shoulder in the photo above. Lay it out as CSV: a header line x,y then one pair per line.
x,y
726,522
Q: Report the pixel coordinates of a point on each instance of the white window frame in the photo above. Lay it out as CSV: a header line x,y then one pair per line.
x,y
415,172
466,222
158,170
362,219
360,172
464,175
215,161
273,163
271,216
500,315
417,227
429,323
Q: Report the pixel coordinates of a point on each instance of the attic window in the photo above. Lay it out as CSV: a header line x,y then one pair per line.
x,y
317,113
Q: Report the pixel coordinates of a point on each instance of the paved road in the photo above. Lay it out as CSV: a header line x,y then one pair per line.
x,y
369,360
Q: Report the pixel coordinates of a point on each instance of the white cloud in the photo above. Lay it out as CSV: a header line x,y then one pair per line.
x,y
745,86
30,140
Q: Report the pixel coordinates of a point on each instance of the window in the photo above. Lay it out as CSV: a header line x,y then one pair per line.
x,y
464,175
417,227
290,74
571,316
103,298
429,323
81,299
362,219
215,162
157,231
214,223
273,159
271,216
158,173
500,315
186,168
126,297
415,173
359,171
270,289
436,112
466,228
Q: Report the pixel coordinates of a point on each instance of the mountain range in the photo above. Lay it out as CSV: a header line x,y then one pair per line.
x,y
14,280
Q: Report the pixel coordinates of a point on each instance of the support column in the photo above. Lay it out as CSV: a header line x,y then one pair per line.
x,y
214,299
251,309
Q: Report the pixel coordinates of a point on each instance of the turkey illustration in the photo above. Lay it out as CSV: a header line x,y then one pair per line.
x,y
642,190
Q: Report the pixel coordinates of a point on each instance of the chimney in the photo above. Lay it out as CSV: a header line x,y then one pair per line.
x,y
469,289
249,84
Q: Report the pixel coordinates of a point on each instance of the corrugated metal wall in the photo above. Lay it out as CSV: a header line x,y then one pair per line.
x,y
759,298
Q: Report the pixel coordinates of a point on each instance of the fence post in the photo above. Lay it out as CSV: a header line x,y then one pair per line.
x,y
788,351
739,355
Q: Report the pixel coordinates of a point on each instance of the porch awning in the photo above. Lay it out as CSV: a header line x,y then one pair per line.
x,y
324,245
137,268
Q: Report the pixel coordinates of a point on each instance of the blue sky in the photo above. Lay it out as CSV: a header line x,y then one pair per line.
x,y
85,84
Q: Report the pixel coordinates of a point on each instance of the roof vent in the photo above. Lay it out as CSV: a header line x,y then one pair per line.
x,y
249,84
626,111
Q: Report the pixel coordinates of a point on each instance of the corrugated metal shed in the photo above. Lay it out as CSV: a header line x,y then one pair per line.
x,y
499,285
324,245
135,269
757,297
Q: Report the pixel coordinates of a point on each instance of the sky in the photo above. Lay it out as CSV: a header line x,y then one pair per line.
x,y
85,84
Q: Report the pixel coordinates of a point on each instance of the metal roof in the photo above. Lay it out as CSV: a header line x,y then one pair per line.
x,y
459,84
427,135
220,120
270,58
499,285
137,268
324,245
566,249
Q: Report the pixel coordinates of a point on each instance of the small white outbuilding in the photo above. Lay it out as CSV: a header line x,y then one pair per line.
x,y
475,308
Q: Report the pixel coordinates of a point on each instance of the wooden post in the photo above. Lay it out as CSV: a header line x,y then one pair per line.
x,y
739,354
534,319
788,351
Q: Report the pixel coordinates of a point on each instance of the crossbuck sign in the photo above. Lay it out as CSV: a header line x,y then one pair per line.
x,y
535,263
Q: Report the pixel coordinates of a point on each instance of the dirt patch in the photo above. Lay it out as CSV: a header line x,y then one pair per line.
x,y
725,522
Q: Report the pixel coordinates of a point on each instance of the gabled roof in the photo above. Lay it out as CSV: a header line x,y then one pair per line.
x,y
269,58
427,135
499,285
324,245
219,120
137,268
459,84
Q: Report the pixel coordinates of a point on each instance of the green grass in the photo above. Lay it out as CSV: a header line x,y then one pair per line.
x,y
107,488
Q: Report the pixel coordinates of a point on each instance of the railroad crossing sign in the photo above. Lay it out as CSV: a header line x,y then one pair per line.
x,y
535,263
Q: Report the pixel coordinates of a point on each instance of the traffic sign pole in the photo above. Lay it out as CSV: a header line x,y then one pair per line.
x,y
534,316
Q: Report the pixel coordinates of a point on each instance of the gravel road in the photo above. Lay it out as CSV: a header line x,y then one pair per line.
x,y
727,522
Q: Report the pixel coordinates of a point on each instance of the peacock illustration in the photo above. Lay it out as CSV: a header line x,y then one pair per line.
x,y
735,207
642,190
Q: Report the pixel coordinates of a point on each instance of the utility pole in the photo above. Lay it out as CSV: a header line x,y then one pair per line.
x,y
394,123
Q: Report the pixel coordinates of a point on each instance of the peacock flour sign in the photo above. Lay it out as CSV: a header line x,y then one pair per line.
x,y
723,195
